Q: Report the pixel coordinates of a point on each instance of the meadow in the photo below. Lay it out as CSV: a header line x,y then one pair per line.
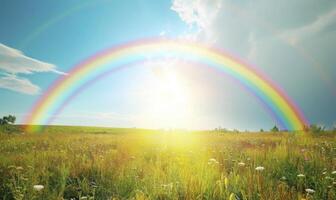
x,y
106,163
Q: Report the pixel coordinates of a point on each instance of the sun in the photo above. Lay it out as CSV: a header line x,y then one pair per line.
x,y
169,98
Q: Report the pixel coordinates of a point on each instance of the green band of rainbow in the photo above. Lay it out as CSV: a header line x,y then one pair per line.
x,y
278,102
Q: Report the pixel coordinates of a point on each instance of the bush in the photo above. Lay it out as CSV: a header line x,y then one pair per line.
x,y
275,129
313,128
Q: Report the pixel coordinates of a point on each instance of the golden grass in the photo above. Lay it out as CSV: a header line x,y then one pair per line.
x,y
99,163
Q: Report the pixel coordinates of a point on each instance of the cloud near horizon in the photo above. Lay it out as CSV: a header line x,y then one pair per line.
x,y
13,62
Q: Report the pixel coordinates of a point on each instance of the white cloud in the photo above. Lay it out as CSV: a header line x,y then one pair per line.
x,y
14,62
239,25
197,12
18,84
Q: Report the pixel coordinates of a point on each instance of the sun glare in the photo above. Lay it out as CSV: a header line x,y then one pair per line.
x,y
168,98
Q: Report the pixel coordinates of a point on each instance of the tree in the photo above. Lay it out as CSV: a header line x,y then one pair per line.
x,y
275,129
10,119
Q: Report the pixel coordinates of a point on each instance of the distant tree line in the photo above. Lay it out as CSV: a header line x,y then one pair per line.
x,y
313,128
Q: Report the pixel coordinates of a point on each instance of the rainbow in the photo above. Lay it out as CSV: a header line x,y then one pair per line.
x,y
287,113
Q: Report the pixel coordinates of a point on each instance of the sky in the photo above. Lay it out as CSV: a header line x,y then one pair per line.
x,y
293,42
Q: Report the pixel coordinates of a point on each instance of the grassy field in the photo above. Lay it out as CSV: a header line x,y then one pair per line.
x,y
101,163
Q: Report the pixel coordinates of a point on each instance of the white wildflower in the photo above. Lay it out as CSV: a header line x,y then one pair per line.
x,y
310,191
260,168
38,187
301,175
241,164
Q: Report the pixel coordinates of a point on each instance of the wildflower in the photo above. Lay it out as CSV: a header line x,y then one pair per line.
x,y
212,161
324,173
333,172
241,164
260,168
283,178
19,168
38,187
310,191
329,178
301,175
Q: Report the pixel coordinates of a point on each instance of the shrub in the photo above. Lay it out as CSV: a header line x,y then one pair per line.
x,y
313,128
275,129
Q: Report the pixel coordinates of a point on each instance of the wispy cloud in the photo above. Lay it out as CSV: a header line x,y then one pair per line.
x,y
22,85
14,62
325,22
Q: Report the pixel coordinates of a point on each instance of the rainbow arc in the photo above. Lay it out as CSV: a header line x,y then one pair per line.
x,y
286,112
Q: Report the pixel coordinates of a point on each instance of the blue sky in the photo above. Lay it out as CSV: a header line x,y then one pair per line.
x,y
293,43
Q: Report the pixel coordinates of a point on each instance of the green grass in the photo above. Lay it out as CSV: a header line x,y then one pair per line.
x,y
105,163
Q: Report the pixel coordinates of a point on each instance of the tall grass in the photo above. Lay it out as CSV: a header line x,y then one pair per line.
x,y
72,163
